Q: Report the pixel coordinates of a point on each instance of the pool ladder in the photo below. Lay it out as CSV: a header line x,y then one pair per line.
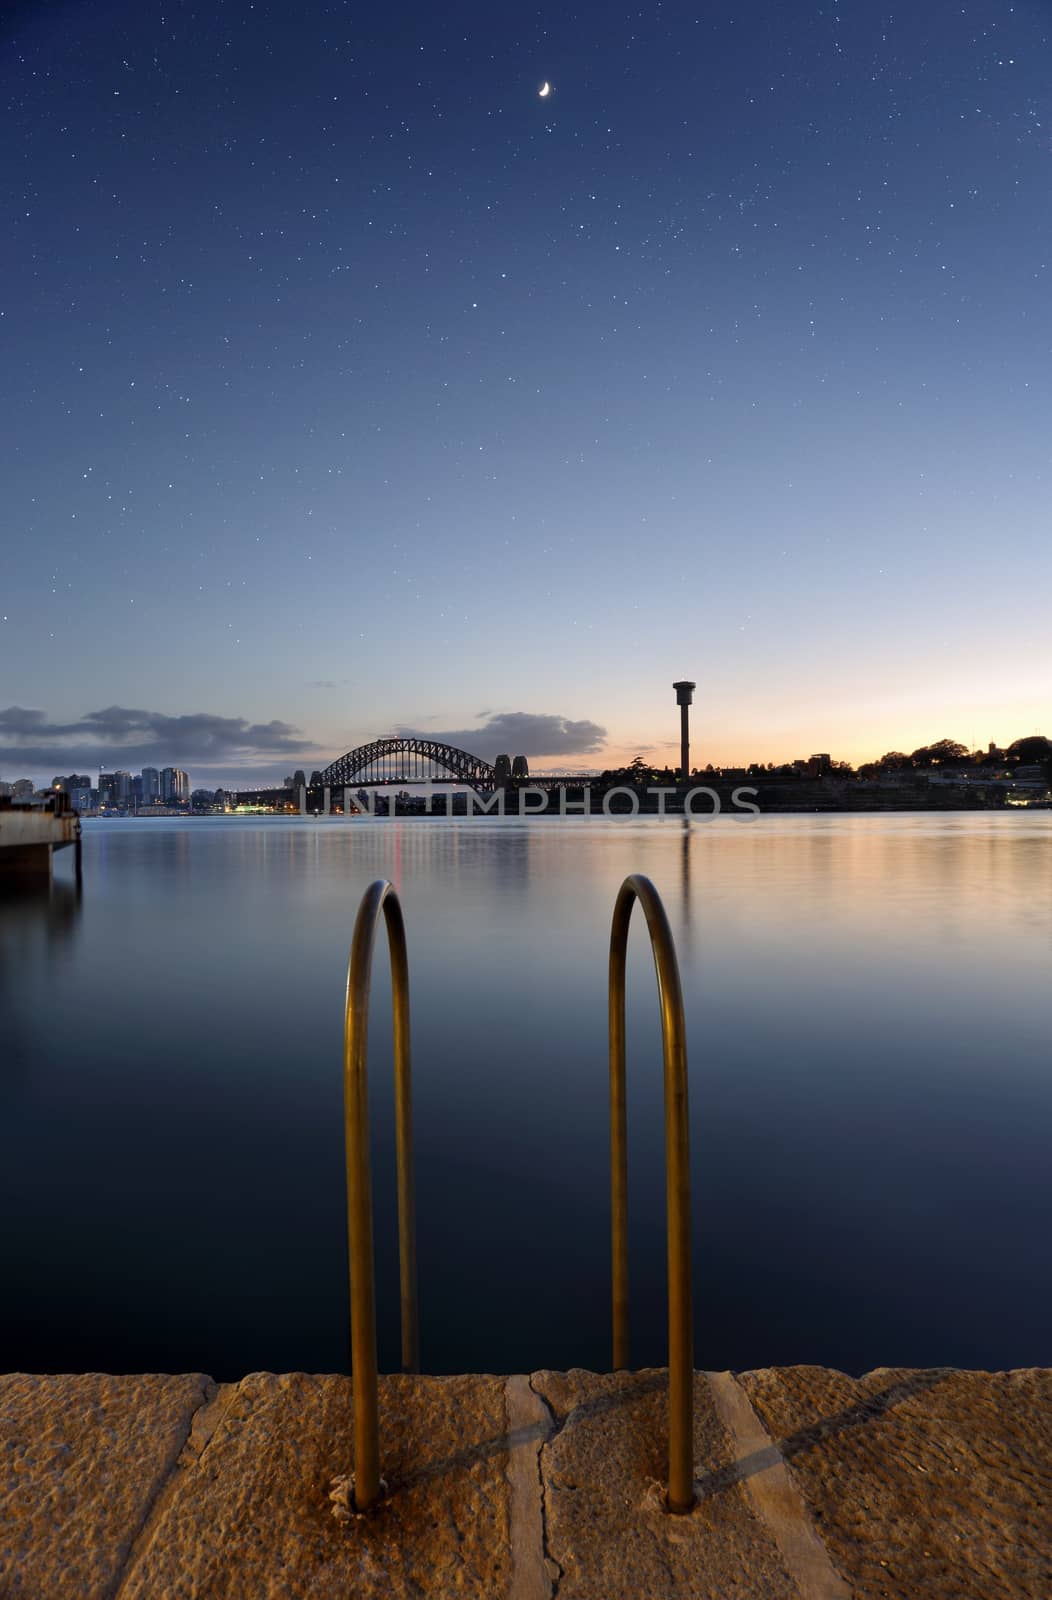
x,y
379,900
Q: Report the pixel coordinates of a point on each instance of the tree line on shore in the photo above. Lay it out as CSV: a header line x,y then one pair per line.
x,y
1033,750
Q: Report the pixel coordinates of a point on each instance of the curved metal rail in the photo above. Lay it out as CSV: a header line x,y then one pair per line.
x,y
677,1174
379,898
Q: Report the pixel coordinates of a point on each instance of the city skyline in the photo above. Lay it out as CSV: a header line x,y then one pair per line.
x,y
278,774
354,384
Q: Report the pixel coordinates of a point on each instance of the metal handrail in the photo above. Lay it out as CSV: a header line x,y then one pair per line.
x,y
379,897
677,1174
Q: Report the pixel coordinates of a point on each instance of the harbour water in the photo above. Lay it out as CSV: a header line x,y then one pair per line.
x,y
869,1014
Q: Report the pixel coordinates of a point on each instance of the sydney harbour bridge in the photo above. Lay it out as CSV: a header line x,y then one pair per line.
x,y
410,760
400,761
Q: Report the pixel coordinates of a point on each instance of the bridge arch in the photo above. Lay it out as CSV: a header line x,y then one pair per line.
x,y
408,760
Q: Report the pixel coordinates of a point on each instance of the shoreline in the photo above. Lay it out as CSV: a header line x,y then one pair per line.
x,y
898,807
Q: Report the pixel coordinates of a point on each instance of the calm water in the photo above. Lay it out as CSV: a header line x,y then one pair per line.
x,y
869,1012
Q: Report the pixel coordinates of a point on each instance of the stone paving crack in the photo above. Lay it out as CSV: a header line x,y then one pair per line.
x,y
552,1567
201,1428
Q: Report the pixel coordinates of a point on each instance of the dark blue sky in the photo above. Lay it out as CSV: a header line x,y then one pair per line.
x,y
350,385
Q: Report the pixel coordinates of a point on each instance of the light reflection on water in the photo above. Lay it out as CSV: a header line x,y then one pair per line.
x,y
868,1008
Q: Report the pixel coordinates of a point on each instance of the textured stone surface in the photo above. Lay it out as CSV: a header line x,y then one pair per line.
x,y
529,1428
923,1485
775,1496
912,1486
81,1462
249,1514
606,1524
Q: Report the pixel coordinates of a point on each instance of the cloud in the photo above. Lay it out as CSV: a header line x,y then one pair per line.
x,y
119,736
234,749
521,733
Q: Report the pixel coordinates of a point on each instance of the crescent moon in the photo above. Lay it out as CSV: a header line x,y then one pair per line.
x,y
545,90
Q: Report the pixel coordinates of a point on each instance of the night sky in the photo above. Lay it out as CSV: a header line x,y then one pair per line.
x,y
351,385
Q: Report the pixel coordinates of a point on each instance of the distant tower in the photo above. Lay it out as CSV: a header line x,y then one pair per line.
x,y
520,767
684,699
502,769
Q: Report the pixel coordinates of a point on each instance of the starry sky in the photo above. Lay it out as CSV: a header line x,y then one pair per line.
x,y
351,386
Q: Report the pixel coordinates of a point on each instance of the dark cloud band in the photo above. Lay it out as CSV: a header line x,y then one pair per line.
x,y
123,736
521,733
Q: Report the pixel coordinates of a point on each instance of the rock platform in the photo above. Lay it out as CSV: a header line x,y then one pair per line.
x,y
917,1485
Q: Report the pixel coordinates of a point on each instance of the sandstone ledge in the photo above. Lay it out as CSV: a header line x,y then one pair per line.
x,y
810,1484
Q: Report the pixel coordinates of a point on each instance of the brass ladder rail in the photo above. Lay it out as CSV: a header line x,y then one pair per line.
x,y
677,1174
379,898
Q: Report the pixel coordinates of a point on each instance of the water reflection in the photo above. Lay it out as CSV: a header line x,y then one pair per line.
x,y
38,923
32,912
868,1015
684,881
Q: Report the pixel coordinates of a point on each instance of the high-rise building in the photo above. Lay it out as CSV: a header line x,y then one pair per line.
x,y
175,786
107,784
151,786
22,789
122,787
80,798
